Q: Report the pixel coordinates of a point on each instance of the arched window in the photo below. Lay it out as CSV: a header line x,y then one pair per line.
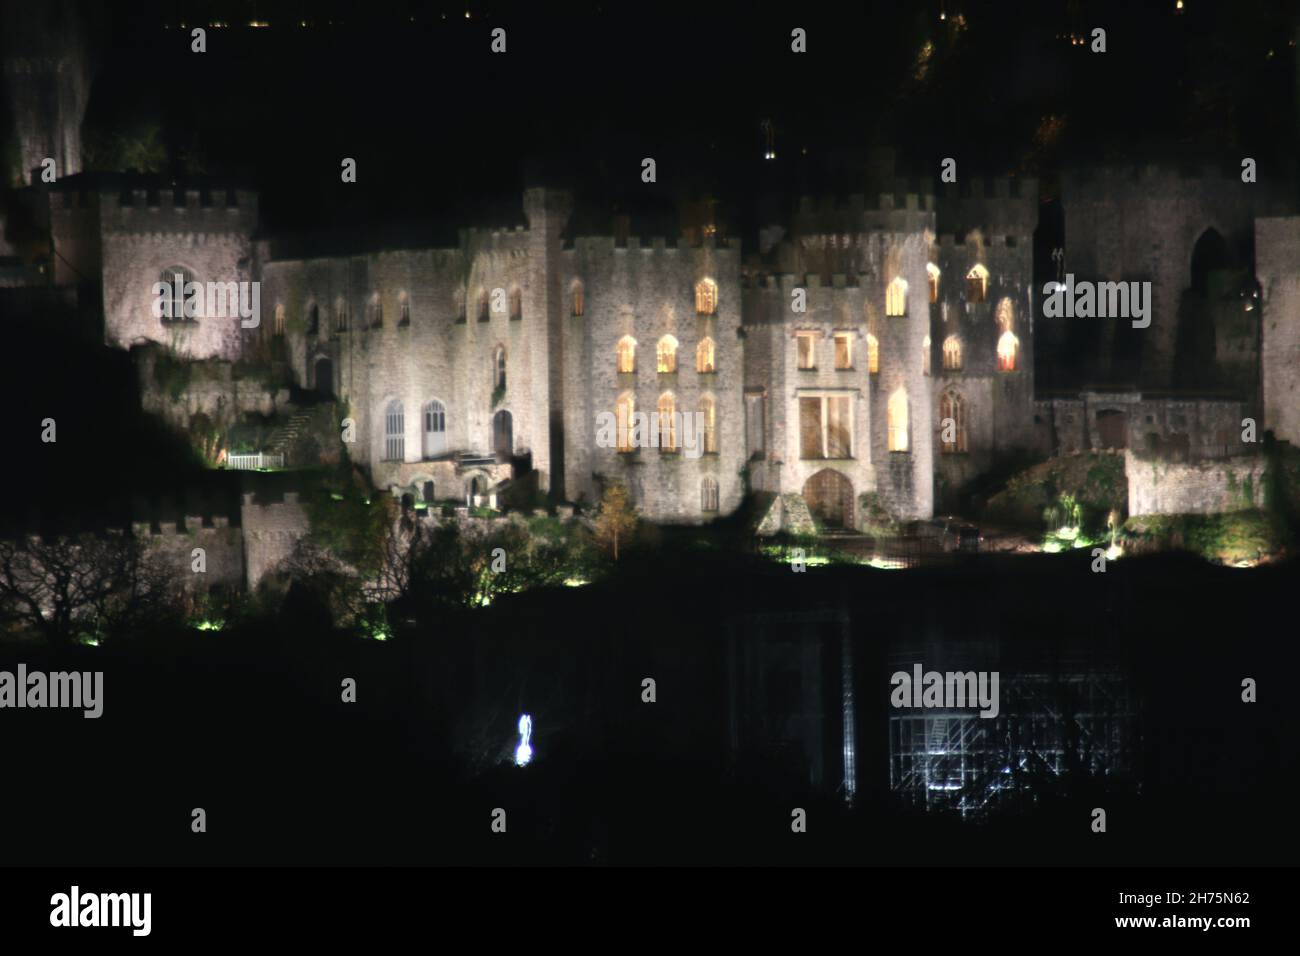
x,y
576,293
896,413
667,422
873,354
394,432
435,429
404,306
977,284
709,414
376,309
925,355
932,272
952,354
626,354
952,423
666,354
1006,315
706,297
279,320
1008,346
704,356
483,314
175,280
340,315
708,493
499,368
623,412
896,297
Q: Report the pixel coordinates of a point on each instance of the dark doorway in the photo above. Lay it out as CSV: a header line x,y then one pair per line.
x,y
325,377
503,437
1194,346
830,498
1112,428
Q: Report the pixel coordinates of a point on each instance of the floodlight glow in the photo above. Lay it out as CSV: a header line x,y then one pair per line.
x,y
524,752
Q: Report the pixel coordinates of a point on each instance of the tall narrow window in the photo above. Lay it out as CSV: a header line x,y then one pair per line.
x,y
932,273
666,354
952,423
576,294
925,355
484,315
279,320
873,354
896,413
709,422
313,319
376,309
499,368
896,297
404,309
704,356
435,429
843,350
755,429
1008,346
623,412
341,315
516,304
667,422
175,281
952,354
394,432
977,284
706,297
806,343
1006,315
626,352
708,493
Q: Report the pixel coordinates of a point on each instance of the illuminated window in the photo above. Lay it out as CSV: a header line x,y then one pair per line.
x,y
896,297
806,343
952,354
626,352
932,271
623,412
579,306
925,356
667,422
435,429
516,303
843,350
394,432
1006,316
708,493
666,354
896,412
279,320
704,356
977,284
706,297
873,354
1008,346
709,411
499,367
952,423
825,426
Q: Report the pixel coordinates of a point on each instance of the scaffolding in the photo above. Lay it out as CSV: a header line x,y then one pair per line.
x,y
1050,729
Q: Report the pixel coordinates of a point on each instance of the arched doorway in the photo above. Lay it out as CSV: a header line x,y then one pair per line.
x,y
503,436
324,376
830,498
1194,358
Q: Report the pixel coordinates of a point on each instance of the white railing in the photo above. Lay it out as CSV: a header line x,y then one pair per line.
x,y
255,461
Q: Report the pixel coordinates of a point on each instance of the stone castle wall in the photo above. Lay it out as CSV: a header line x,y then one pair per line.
x,y
1157,487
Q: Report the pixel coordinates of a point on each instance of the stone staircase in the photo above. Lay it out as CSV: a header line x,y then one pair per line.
x,y
284,435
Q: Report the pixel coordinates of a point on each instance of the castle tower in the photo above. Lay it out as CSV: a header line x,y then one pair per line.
x,y
548,212
47,77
